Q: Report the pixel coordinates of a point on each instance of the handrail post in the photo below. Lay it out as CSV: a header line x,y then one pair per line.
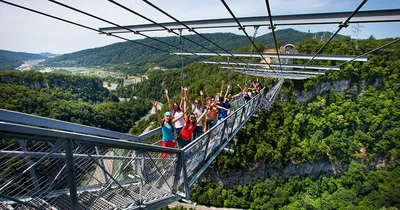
x,y
178,169
185,177
234,121
223,131
241,116
101,163
71,174
207,143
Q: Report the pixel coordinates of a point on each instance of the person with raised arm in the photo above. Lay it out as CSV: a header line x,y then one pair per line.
x,y
176,112
245,92
167,130
210,116
191,122
197,109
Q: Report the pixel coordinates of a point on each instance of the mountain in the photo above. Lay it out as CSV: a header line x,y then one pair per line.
x,y
48,55
133,58
10,60
291,36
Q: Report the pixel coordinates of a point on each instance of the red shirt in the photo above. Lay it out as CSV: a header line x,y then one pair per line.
x,y
187,130
214,111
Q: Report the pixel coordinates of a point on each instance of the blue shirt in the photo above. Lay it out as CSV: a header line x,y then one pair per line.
x,y
222,113
167,132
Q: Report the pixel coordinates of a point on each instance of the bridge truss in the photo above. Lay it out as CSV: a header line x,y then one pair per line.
x,y
53,164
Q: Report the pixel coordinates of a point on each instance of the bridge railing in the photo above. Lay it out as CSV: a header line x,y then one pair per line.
x,y
200,153
47,163
44,166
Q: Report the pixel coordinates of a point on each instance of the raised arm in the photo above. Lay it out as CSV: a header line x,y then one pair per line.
x,y
222,87
177,118
202,98
221,107
170,107
201,117
182,95
186,89
227,90
185,107
156,111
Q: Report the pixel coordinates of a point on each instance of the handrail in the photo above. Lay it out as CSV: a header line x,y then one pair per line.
x,y
95,163
28,119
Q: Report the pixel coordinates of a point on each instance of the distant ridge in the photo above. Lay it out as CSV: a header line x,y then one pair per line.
x,y
132,58
48,55
10,60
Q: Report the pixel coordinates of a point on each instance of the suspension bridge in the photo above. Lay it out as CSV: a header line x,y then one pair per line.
x,y
51,164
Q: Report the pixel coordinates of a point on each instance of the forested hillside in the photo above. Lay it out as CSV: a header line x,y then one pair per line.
x,y
358,127
10,60
356,189
132,58
78,99
339,128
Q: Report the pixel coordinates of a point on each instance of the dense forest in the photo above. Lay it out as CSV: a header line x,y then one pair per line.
x,y
10,60
356,189
78,99
358,127
132,58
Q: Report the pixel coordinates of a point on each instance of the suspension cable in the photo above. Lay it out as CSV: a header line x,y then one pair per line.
x,y
112,23
80,25
371,51
251,49
272,27
247,35
343,24
180,43
167,29
187,27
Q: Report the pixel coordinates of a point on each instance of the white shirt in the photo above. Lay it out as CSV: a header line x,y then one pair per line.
x,y
181,122
198,112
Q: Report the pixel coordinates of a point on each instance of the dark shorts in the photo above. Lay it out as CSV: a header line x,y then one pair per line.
x,y
182,143
197,132
209,124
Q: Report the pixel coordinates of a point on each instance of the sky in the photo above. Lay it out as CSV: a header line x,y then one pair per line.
x,y
24,31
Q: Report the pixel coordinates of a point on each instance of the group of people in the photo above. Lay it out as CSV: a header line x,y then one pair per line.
x,y
183,125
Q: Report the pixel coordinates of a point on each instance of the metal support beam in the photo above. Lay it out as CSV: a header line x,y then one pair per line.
x,y
177,175
273,75
101,161
371,16
284,66
28,119
71,174
88,139
274,55
260,70
185,176
28,163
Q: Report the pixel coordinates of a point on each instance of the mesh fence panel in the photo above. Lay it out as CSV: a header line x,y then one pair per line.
x,y
36,173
